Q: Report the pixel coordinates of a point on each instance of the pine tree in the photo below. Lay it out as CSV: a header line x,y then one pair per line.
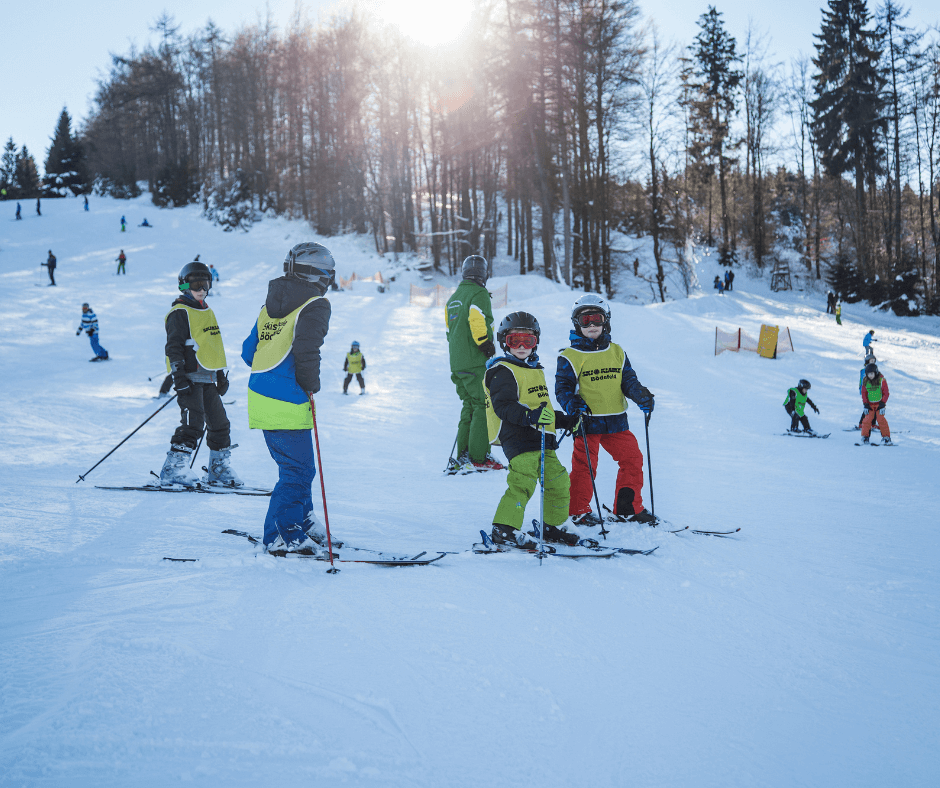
x,y
8,169
848,110
27,176
65,165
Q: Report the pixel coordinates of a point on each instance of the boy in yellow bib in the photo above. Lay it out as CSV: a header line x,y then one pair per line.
x,y
517,406
195,358
355,364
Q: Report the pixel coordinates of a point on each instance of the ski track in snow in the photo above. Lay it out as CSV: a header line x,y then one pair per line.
x,y
803,651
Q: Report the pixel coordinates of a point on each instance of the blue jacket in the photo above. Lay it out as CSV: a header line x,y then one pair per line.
x,y
89,323
867,340
566,387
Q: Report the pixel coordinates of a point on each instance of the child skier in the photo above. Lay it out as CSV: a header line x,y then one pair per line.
x,y
795,403
355,364
121,259
123,224
593,380
19,212
869,359
866,343
874,398
718,285
89,325
839,312
195,357
517,407
50,267
283,351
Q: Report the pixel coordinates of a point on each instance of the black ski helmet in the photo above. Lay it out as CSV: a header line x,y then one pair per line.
x,y
804,384
194,272
871,368
515,320
590,302
476,269
311,262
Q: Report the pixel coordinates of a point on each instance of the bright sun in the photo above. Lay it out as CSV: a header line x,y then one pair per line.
x,y
428,21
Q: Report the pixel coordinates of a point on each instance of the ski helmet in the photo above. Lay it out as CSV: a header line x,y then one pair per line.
x,y
804,384
355,344
476,269
871,368
590,302
312,263
194,272
516,320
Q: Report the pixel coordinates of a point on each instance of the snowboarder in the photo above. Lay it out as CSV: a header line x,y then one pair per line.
x,y
38,209
717,284
729,279
145,223
355,364
195,357
50,267
121,260
469,319
518,408
89,325
866,342
86,202
19,212
123,224
874,398
839,312
593,380
795,403
283,351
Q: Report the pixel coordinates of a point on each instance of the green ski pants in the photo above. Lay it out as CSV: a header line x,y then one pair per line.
x,y
524,481
471,432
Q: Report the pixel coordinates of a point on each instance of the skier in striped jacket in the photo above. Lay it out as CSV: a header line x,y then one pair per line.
x,y
89,325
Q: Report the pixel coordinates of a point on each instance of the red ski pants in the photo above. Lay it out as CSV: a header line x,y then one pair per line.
x,y
622,446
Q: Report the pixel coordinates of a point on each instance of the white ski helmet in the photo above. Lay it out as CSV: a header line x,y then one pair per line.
x,y
590,302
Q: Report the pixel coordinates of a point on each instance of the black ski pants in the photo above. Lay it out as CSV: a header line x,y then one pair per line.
x,y
201,408
349,377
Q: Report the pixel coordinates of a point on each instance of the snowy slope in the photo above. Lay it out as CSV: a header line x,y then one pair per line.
x,y
804,652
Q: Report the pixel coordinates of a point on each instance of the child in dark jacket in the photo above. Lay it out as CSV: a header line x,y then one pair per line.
x,y
355,364
594,379
517,409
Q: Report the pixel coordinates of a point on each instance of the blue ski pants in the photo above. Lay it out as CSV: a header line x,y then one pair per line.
x,y
291,500
100,352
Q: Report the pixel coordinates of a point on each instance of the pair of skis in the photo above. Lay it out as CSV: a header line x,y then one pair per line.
x,y
585,548
213,489
617,518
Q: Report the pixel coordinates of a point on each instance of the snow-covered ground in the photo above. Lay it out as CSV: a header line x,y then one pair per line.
x,y
802,653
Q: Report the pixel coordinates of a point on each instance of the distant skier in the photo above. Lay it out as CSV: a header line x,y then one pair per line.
x,y
38,208
861,383
195,357
50,267
121,259
830,302
144,223
215,275
89,325
86,202
600,398
19,212
839,312
469,319
123,224
866,342
283,351
519,408
355,364
718,285
794,405
729,280
874,398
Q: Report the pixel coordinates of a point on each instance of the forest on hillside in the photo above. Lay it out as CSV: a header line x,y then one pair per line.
x,y
548,132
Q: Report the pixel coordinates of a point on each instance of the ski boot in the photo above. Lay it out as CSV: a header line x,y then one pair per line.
x,y
886,440
588,519
644,516
219,473
514,537
463,459
317,532
293,539
555,534
489,464
176,468
865,440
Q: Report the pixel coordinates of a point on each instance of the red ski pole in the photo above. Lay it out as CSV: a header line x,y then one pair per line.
x,y
329,540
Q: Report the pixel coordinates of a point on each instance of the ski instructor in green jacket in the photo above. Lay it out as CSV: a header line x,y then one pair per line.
x,y
469,318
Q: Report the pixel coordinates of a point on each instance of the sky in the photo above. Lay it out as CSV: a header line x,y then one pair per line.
x,y
52,52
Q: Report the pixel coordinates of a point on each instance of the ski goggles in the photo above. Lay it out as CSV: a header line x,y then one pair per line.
x,y
199,285
516,341
592,319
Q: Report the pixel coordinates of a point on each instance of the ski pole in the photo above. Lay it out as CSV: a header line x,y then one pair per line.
x,y
597,500
649,466
198,446
329,540
81,478
161,374
542,497
450,459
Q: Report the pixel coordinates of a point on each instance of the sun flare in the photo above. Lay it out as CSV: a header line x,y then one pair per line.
x,y
428,21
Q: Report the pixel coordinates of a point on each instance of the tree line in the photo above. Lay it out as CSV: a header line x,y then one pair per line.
x,y
553,133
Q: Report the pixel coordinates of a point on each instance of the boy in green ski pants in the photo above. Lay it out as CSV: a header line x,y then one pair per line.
x,y
517,407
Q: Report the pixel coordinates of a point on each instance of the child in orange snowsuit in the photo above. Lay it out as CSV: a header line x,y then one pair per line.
x,y
874,398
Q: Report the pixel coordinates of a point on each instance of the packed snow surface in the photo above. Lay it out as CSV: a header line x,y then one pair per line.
x,y
802,652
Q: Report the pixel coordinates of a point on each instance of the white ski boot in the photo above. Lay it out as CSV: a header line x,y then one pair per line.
x,y
219,472
176,468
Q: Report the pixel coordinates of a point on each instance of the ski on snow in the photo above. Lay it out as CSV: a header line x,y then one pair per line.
x,y
616,518
586,548
804,434
610,517
200,487
376,557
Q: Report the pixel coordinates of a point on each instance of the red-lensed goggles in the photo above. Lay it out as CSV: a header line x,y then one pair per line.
x,y
592,319
516,341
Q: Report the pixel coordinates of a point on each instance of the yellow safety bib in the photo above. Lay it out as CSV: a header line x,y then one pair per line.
x,y
275,337
599,374
354,363
205,337
531,392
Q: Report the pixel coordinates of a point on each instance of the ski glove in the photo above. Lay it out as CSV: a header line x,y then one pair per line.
x,y
645,400
815,409
78,332
486,348
881,410
578,407
181,382
221,382
541,416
